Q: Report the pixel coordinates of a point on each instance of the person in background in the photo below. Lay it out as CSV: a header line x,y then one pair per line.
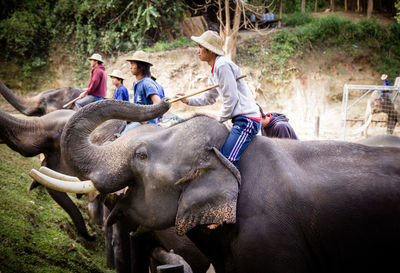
x,y
385,82
238,102
276,125
145,90
120,92
98,83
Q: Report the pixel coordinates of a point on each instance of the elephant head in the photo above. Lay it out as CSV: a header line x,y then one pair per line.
x,y
43,103
175,175
33,136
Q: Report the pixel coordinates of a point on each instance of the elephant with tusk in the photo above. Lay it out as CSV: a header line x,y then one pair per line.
x,y
31,137
43,103
296,206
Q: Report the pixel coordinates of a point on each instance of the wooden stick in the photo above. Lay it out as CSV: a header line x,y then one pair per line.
x,y
71,102
199,92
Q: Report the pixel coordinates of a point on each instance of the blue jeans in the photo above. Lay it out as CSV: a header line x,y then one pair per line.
x,y
86,100
243,131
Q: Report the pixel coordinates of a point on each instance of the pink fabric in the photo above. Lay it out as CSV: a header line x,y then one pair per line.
x,y
98,82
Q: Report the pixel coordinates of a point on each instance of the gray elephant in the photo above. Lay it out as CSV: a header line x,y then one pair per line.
x,y
376,105
42,135
43,103
303,206
381,141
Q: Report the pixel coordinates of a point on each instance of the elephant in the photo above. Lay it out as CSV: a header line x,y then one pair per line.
x,y
42,135
43,103
381,141
377,105
31,137
295,206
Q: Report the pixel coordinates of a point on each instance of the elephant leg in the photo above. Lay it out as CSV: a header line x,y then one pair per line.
x,y
108,232
140,247
66,203
392,120
121,247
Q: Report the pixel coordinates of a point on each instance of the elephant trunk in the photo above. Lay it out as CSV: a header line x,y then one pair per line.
x,y
105,165
23,136
27,106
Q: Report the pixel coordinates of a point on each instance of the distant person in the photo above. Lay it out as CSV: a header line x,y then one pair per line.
x,y
120,92
145,90
386,82
265,15
276,125
98,83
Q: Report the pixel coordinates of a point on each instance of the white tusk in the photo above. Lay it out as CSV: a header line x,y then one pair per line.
x,y
62,186
57,175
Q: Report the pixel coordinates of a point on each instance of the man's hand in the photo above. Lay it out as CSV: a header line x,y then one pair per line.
x,y
83,94
228,124
185,101
210,116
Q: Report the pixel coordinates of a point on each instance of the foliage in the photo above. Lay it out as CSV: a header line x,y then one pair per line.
x,y
181,42
29,28
397,5
382,43
36,235
296,19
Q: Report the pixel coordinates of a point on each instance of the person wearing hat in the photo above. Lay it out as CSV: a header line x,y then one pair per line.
x,y
98,83
238,102
120,92
145,90
386,82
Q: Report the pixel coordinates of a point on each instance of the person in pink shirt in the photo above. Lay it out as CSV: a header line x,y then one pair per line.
x,y
98,83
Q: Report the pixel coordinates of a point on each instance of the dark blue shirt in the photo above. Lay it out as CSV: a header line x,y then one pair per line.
x,y
121,93
386,82
144,89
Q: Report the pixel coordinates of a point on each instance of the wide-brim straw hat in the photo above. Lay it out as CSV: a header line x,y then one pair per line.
x,y
210,40
117,74
96,57
383,77
140,56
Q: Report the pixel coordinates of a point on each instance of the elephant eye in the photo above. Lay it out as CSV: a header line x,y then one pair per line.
x,y
141,155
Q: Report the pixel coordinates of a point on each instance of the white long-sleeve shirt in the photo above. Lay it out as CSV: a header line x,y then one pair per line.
x,y
236,96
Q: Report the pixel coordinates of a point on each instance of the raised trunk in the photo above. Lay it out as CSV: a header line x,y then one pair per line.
x,y
23,105
88,159
23,136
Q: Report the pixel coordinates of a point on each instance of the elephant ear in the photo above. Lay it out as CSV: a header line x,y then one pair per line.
x,y
209,194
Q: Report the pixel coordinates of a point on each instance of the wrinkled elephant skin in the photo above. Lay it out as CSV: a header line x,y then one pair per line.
x,y
312,206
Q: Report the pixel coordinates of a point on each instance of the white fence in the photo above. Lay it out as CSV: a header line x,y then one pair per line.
x,y
354,105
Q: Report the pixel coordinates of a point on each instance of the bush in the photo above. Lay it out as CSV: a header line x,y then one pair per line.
x,y
296,19
20,32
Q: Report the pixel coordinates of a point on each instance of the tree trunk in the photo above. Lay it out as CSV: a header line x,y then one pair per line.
x,y
280,13
316,6
358,6
345,5
303,5
332,5
370,8
230,37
